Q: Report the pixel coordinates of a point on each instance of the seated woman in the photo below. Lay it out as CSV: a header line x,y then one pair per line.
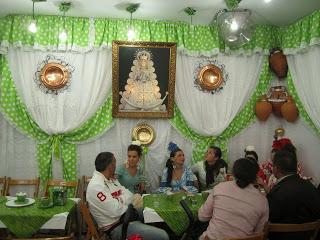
x,y
130,175
208,170
235,209
176,177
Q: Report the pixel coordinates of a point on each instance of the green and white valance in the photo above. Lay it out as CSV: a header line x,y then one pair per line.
x,y
85,33
14,33
301,35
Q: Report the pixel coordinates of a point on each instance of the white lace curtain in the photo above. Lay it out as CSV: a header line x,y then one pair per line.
x,y
305,71
90,84
209,114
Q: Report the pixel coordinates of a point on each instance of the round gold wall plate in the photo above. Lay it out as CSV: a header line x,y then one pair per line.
x,y
54,75
143,133
210,77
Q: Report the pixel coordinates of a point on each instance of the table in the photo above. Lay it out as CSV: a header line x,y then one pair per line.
x,y
170,210
26,221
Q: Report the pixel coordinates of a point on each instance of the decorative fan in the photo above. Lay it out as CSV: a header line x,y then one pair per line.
x,y
235,26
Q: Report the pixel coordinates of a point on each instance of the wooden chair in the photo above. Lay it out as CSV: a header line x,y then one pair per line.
x,y
255,237
46,238
92,231
23,182
195,227
261,236
3,182
311,227
84,184
188,233
62,183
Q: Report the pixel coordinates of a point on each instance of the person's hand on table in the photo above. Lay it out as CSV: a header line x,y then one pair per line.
x,y
137,201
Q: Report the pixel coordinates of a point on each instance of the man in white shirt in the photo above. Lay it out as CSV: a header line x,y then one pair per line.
x,y
108,201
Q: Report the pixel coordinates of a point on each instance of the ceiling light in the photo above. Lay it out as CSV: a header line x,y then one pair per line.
x,y
63,36
33,24
131,32
267,1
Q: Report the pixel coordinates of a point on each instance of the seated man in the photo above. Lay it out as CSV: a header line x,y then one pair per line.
x,y
108,201
292,199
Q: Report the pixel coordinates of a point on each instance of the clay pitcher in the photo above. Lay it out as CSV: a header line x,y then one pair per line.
x,y
263,108
289,110
277,97
278,63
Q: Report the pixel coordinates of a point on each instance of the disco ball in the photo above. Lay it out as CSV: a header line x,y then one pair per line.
x,y
235,26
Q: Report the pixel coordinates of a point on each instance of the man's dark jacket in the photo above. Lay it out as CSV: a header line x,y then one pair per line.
x,y
293,200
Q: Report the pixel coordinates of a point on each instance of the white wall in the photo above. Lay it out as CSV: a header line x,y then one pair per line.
x,y
260,134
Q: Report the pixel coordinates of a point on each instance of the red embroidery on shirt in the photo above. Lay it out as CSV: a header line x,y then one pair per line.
x,y
116,194
101,196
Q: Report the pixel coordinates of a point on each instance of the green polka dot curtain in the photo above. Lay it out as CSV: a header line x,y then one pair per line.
x,y
62,146
85,34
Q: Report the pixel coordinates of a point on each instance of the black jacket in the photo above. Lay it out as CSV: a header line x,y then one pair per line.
x,y
293,200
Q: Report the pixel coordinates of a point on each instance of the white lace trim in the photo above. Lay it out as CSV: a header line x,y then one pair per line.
x,y
5,45
303,47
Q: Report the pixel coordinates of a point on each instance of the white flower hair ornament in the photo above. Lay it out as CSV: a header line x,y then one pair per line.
x,y
136,142
249,148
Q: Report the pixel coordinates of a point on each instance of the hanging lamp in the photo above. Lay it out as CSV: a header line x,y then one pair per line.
x,y
131,9
64,7
33,24
191,12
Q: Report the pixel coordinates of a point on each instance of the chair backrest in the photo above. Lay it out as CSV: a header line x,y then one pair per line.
x,y
255,237
126,220
23,182
46,238
188,211
62,183
92,231
188,233
84,184
260,236
312,227
3,182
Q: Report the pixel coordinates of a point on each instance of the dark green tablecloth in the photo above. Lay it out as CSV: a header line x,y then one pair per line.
x,y
26,221
171,211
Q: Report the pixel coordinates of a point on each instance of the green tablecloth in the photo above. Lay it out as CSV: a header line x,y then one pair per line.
x,y
26,221
171,211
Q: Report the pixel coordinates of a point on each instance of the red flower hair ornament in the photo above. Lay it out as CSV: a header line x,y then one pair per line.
x,y
279,144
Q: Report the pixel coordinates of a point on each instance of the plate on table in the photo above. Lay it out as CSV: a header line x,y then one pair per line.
x,y
13,202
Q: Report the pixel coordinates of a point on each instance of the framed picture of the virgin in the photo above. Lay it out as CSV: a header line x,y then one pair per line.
x,y
143,79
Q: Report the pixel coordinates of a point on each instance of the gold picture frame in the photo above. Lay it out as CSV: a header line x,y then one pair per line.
x,y
143,79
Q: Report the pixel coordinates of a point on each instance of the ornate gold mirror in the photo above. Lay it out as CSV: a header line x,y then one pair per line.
x,y
210,77
54,76
144,133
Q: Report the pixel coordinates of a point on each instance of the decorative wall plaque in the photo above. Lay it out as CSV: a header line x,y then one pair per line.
x,y
144,133
53,75
210,76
